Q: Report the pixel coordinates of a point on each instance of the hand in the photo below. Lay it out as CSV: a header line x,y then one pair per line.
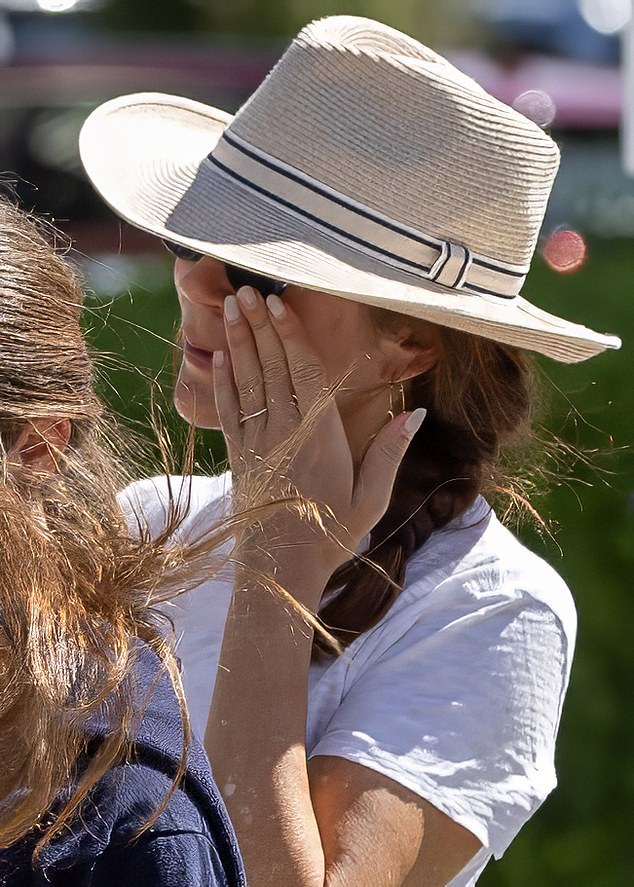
x,y
284,432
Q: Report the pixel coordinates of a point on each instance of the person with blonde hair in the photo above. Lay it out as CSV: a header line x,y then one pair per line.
x,y
100,783
361,230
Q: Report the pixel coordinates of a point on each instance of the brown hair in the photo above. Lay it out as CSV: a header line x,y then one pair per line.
x,y
480,398
76,588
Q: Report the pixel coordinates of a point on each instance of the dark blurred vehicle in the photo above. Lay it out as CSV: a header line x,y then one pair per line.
x,y
59,68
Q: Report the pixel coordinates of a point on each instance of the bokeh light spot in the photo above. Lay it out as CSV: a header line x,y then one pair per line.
x,y
606,16
565,251
57,5
537,105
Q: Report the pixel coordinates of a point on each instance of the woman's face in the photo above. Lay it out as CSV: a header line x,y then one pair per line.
x,y
342,333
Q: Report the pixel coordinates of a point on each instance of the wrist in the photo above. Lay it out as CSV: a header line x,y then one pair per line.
x,y
299,568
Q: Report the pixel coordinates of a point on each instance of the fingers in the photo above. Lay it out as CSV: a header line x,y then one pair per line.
x,y
271,357
227,406
305,367
247,372
381,463
292,373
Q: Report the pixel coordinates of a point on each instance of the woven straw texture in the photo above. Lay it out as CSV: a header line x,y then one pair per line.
x,y
408,135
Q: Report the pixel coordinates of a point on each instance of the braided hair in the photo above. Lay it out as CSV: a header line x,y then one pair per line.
x,y
480,399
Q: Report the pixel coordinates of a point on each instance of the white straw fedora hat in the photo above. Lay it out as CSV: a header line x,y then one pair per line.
x,y
366,166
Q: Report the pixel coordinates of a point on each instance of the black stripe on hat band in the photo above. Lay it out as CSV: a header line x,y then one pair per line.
x,y
367,213
314,186
481,263
370,246
312,217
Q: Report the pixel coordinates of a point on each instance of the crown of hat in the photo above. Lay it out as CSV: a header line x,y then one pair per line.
x,y
371,113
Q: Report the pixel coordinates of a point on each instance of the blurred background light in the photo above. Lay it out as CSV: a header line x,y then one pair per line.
x,y
606,16
57,5
34,6
565,251
537,105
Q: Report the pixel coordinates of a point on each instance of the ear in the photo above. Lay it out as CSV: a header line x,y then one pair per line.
x,y
40,444
408,357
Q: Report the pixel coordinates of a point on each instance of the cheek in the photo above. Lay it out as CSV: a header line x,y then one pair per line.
x,y
345,345
333,327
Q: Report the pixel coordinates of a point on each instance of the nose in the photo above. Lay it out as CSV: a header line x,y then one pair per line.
x,y
203,282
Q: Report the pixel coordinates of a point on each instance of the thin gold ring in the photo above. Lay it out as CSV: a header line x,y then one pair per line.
x,y
253,415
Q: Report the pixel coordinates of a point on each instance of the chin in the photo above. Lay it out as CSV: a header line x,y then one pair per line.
x,y
185,404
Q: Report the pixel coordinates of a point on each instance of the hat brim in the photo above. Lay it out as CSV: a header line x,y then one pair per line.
x,y
146,155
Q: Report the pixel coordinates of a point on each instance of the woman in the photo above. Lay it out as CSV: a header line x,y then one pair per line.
x,y
389,208
95,787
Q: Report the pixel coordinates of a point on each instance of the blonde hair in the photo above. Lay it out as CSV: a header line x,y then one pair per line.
x,y
76,588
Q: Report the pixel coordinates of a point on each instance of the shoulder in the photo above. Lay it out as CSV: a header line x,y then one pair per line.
x,y
477,561
192,832
151,503
474,590
457,693
186,845
180,849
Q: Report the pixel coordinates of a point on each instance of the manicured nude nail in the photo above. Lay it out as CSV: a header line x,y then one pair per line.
x,y
247,296
276,306
219,358
232,309
414,421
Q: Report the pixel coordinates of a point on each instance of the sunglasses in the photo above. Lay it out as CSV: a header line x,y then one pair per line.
x,y
237,277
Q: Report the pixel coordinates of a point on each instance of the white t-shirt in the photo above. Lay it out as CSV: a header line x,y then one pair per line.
x,y
456,693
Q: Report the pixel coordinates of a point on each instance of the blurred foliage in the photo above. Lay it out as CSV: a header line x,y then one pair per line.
x,y
144,15
133,332
582,835
432,21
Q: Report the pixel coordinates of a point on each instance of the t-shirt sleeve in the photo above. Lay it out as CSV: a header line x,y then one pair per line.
x,y
464,714
162,859
194,502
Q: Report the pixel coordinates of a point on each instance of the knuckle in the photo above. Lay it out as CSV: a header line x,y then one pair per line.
x,y
260,322
308,374
275,367
248,389
390,451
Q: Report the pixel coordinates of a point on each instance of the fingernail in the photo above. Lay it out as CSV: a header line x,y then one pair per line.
x,y
414,421
246,294
219,358
232,309
276,306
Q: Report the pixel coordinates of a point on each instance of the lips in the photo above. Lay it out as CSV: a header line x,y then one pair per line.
x,y
195,350
201,357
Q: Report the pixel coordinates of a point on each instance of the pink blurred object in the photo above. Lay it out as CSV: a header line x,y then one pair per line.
x,y
585,96
565,251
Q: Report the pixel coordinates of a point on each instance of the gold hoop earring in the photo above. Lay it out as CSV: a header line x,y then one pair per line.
x,y
401,390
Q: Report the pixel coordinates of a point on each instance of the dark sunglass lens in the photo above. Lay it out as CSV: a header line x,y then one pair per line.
x,y
182,252
265,285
